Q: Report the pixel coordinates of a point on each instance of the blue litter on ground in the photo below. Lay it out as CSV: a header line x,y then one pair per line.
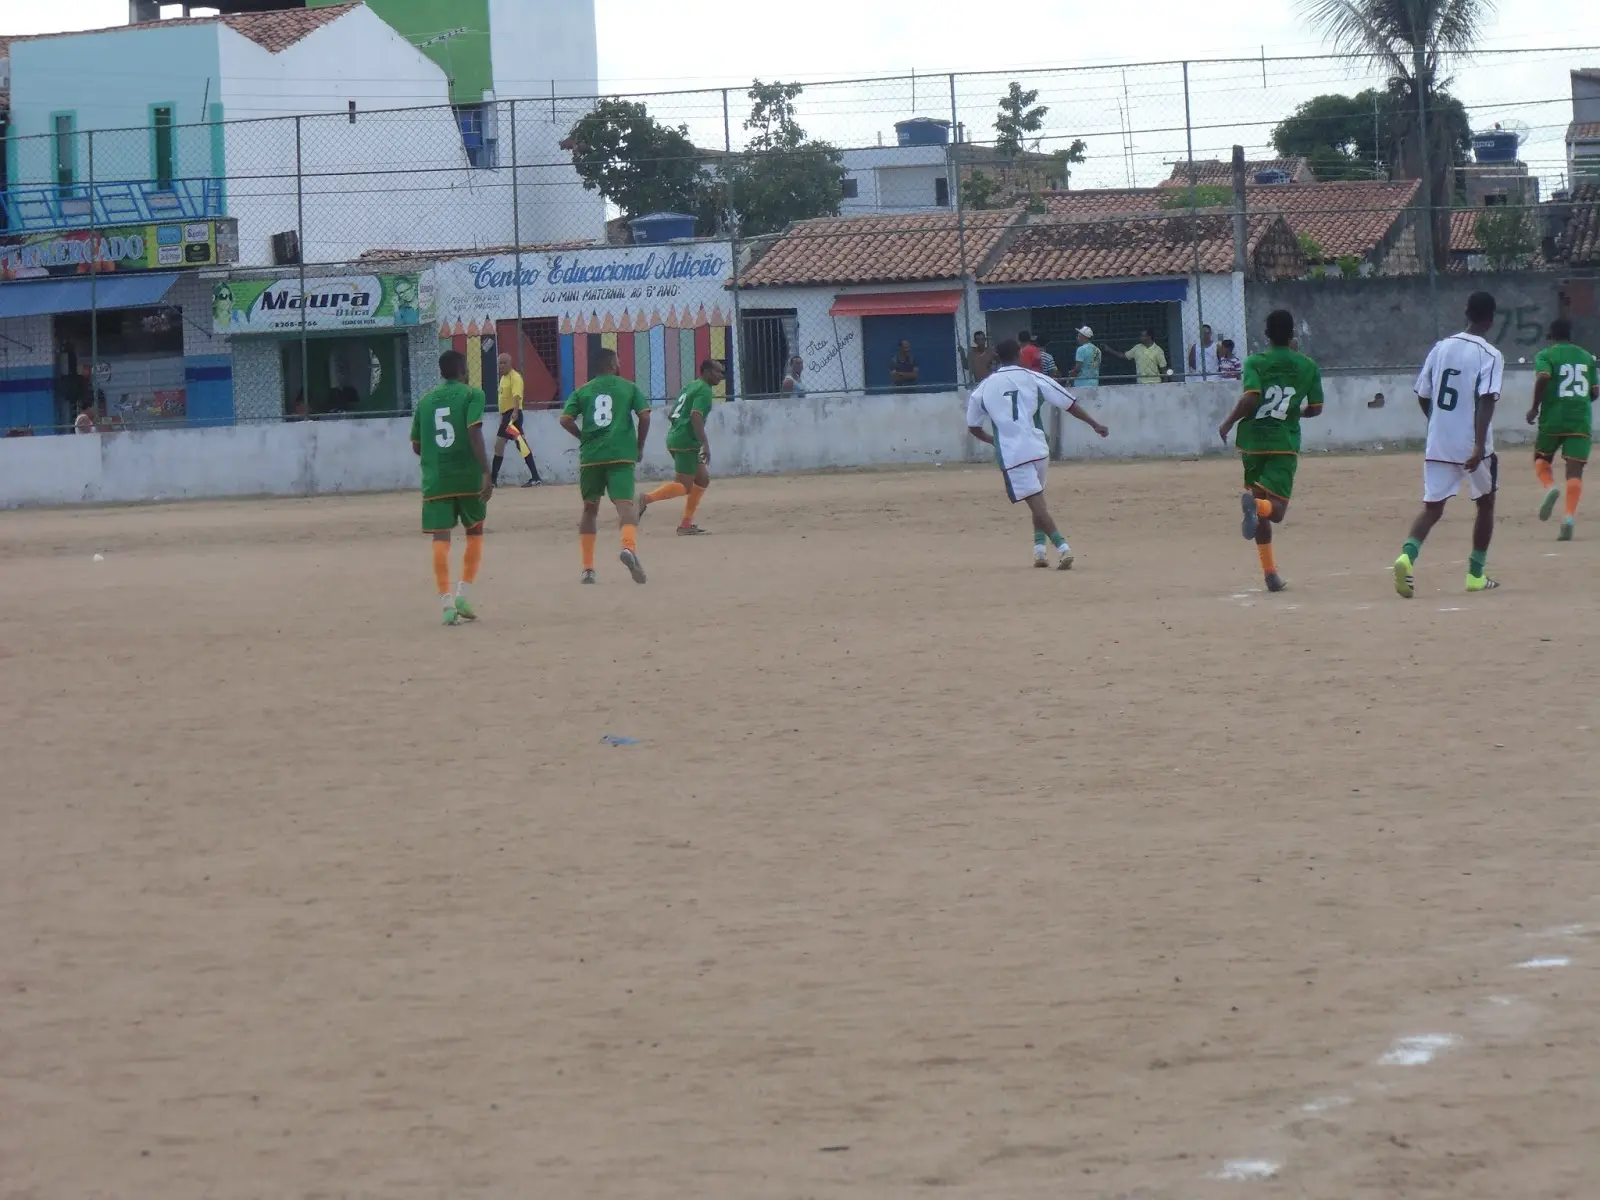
x,y
612,739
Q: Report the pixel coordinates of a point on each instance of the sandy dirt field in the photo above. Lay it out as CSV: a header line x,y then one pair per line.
x,y
933,874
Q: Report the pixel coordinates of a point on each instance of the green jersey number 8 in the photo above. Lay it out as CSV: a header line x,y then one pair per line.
x,y
602,411
444,433
1276,403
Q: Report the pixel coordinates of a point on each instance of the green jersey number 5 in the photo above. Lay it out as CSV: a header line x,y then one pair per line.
x,y
444,433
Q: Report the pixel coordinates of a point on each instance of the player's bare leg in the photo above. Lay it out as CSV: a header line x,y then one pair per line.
x,y
1405,566
441,577
1270,510
628,518
470,563
1544,468
588,530
1569,523
1044,523
1482,534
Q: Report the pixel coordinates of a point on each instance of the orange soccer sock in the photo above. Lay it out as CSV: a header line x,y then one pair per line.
x,y
667,491
1268,565
1263,507
695,496
630,537
1547,476
1574,493
586,543
441,566
473,559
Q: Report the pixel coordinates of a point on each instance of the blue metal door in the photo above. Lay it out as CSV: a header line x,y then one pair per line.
x,y
933,346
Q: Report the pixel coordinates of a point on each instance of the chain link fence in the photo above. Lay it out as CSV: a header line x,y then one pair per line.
x,y
1137,221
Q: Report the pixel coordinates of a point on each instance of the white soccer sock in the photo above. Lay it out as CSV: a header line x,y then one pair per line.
x,y
463,588
447,600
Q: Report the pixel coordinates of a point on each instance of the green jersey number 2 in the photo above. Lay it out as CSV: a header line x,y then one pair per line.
x,y
1275,403
677,409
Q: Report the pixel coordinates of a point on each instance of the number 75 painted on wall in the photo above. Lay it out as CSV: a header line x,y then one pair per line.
x,y
1529,328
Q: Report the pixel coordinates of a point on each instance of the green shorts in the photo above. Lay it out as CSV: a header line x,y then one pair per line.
x,y
606,479
1272,473
1574,447
685,462
441,516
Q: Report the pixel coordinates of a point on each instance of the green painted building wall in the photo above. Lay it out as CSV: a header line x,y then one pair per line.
x,y
464,57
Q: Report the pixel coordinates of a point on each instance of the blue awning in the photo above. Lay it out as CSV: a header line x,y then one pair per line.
x,y
39,298
1065,295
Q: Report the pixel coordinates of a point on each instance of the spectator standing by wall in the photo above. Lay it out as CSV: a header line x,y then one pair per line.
x,y
792,385
903,371
1029,356
1086,368
1149,360
1047,361
981,359
1228,364
1203,358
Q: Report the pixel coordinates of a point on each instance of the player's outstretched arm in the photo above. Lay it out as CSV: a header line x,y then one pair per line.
x,y
979,432
570,424
1087,418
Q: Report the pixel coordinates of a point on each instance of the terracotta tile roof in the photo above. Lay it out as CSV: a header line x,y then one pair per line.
x,y
1584,131
1210,172
400,257
1582,239
1344,218
1050,249
1464,228
880,249
273,31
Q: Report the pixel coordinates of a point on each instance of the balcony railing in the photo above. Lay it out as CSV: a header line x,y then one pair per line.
x,y
131,202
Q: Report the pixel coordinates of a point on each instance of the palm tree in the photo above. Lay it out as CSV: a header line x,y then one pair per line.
x,y
1414,41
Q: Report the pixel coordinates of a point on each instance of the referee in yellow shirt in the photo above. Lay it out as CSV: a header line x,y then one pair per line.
x,y
511,393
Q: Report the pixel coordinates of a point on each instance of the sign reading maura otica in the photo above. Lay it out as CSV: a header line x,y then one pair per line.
x,y
244,306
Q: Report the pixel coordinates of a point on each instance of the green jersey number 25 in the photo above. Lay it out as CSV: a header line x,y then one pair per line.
x,y
1574,383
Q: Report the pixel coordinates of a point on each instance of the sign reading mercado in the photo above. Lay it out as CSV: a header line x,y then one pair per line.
x,y
589,284
243,306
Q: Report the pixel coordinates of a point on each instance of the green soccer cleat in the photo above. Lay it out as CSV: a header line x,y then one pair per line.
x,y
1568,528
1481,583
1404,582
451,616
1551,499
630,559
464,609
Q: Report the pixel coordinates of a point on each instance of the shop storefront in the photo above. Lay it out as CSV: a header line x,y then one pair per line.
x,y
92,319
343,347
664,309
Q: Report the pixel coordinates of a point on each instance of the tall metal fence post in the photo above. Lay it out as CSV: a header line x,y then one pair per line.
x,y
1425,244
953,167
1194,236
300,235
516,246
94,299
736,332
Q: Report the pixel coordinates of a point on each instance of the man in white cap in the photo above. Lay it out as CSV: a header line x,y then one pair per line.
x,y
1086,371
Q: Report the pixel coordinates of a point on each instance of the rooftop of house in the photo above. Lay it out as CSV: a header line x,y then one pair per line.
x,y
908,248
396,258
1584,131
1581,241
1063,248
272,31
1214,171
1349,218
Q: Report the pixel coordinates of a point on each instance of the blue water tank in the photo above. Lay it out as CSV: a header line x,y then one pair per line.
x,y
655,228
1495,146
922,131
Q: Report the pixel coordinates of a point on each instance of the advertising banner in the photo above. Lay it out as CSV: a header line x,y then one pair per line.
x,y
118,249
245,306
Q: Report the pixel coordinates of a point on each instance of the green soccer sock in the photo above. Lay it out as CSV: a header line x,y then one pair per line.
x,y
1412,549
1475,562
1039,539
1057,540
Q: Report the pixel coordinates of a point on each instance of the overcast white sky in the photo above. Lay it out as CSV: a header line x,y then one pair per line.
x,y
646,45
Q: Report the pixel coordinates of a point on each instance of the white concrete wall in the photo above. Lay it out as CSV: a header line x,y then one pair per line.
x,y
748,437
533,46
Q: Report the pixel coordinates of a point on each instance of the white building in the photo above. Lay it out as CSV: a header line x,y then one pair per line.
x,y
1583,135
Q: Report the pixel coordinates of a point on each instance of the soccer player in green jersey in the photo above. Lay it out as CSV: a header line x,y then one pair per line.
x,y
601,416
447,435
689,447
1281,387
1565,384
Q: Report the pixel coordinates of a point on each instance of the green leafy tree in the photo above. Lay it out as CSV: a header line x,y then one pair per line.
x,y
1507,237
1207,195
981,190
1415,41
1356,137
634,161
1062,162
783,175
1018,117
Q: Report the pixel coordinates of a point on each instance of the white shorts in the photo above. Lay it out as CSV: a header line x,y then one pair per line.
x,y
1026,480
1441,480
